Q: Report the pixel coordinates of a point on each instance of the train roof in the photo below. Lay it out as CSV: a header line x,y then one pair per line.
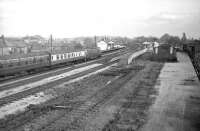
x,y
65,51
15,56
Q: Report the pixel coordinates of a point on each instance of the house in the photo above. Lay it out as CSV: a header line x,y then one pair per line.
x,y
17,45
147,44
4,49
102,45
13,45
110,45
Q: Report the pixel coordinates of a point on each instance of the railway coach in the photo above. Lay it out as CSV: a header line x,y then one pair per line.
x,y
58,57
25,62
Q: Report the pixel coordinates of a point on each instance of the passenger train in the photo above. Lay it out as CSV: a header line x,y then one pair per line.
x,y
11,64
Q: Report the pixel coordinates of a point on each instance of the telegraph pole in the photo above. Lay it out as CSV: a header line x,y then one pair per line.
x,y
95,41
51,39
4,43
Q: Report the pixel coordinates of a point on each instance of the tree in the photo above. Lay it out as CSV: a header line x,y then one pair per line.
x,y
89,42
165,38
168,39
78,46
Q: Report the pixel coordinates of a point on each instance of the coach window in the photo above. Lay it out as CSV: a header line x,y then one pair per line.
x,y
10,65
57,56
26,62
41,59
34,60
61,56
51,57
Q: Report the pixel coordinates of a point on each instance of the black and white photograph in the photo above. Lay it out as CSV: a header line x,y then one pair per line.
x,y
99,65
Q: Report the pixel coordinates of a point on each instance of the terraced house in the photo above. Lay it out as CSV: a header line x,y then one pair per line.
x,y
12,46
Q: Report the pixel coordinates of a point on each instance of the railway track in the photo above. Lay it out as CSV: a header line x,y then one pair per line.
x,y
13,124
91,104
6,85
54,68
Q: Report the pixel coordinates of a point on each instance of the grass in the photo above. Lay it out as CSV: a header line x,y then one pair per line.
x,y
134,108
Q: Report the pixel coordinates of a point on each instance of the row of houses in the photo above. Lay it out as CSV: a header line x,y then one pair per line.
x,y
102,45
12,45
37,43
24,45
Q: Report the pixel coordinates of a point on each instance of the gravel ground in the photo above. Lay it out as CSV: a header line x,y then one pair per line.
x,y
138,95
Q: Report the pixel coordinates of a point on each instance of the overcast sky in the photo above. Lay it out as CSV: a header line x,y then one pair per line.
x,y
71,18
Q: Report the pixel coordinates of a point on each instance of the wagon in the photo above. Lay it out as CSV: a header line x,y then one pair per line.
x,y
10,64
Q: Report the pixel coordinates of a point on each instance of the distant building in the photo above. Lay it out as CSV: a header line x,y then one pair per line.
x,y
102,45
156,44
147,44
111,45
34,39
12,45
5,50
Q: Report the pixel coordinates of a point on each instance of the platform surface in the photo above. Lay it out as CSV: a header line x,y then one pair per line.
x,y
177,105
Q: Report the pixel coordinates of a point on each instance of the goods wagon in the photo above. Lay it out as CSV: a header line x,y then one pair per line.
x,y
22,62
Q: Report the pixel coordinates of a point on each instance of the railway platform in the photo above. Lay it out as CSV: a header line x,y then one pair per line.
x,y
177,104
